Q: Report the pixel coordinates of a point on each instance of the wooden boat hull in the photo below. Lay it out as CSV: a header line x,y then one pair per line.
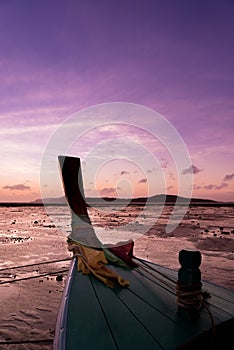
x,y
144,315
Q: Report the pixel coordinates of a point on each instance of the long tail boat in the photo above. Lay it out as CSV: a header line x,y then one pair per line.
x,y
141,305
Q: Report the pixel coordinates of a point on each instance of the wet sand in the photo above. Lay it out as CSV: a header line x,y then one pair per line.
x,y
29,308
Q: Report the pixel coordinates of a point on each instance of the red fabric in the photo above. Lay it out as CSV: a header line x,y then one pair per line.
x,y
125,252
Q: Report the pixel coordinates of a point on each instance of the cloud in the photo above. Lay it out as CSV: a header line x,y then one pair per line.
x,y
223,185
196,187
142,181
164,163
192,169
18,187
215,187
123,172
108,191
228,177
172,176
209,187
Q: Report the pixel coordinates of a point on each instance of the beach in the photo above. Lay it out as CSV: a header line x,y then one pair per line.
x,y
28,235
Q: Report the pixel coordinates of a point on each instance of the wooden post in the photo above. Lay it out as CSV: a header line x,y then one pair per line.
x,y
189,294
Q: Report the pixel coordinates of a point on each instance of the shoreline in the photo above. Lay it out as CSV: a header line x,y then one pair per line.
x,y
120,203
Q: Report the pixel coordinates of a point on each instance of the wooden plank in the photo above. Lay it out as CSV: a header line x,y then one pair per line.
x,y
129,331
221,301
86,324
157,309
221,298
143,316
146,295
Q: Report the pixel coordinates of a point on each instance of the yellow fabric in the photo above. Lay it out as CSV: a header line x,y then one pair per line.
x,y
93,261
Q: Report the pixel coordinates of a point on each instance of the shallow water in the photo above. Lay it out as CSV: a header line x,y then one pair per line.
x,y
29,235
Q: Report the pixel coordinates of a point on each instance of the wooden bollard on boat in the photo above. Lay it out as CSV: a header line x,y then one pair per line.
x,y
189,286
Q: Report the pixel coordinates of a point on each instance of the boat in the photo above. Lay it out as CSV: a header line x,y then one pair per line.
x,y
158,308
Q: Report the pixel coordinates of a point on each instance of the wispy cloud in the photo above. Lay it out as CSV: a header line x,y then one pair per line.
x,y
221,186
197,187
228,177
123,172
164,163
215,187
211,186
191,170
142,181
26,129
108,191
17,187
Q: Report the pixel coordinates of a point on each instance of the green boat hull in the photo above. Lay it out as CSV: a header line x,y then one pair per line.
x,y
144,315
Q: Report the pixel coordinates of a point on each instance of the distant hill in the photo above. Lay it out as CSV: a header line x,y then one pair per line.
x,y
157,199
58,200
160,199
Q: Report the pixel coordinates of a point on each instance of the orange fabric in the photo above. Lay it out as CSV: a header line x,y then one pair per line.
x,y
93,261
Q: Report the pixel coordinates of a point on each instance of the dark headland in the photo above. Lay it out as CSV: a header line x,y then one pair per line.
x,y
160,199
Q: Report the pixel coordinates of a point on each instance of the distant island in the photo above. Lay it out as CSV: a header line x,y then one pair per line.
x,y
161,199
156,199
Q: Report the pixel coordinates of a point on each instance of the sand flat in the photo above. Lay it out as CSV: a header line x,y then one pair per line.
x,y
27,235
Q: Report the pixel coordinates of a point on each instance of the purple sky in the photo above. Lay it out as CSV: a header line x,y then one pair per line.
x,y
176,57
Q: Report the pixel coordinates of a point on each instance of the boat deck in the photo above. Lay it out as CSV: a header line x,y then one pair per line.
x,y
142,316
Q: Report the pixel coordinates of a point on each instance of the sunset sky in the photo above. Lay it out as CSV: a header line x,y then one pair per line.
x,y
59,57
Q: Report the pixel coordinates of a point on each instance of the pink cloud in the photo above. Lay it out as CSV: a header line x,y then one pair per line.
x,y
108,191
18,187
192,169
124,172
142,181
215,187
228,177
